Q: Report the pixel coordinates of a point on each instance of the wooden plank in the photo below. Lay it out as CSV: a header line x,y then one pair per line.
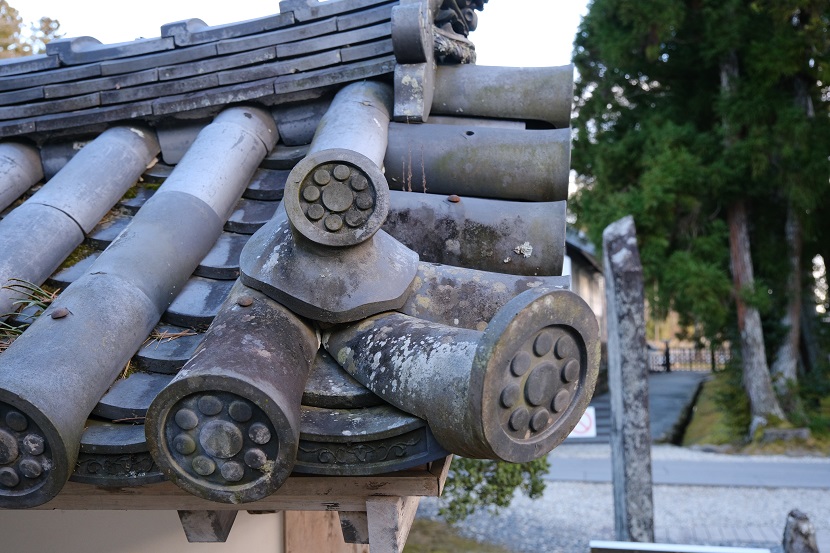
x,y
300,492
390,519
207,526
441,469
314,531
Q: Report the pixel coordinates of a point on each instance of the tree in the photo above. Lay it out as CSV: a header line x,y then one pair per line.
x,y
708,121
16,40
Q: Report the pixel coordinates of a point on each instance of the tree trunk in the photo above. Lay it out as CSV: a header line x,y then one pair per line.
x,y
756,376
785,365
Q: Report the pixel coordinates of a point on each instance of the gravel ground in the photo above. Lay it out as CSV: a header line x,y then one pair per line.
x,y
570,514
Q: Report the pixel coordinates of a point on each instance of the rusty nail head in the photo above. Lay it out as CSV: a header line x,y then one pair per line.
x,y
60,313
454,198
245,301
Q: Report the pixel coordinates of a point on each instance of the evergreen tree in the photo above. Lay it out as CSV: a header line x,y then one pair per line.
x,y
708,121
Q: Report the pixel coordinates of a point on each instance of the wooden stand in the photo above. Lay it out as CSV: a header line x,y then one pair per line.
x,y
375,510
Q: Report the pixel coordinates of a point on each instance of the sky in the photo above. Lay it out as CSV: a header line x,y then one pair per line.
x,y
530,33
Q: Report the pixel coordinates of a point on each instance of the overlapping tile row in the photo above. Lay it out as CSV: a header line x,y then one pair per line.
x,y
306,287
80,82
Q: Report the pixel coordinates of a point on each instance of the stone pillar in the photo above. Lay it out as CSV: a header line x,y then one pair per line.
x,y
799,534
628,383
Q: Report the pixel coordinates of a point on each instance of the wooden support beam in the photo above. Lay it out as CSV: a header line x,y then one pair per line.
x,y
207,526
355,526
316,531
299,493
390,519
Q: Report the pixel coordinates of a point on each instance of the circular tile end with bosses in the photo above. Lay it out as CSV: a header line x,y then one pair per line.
x,y
336,198
219,446
538,362
30,474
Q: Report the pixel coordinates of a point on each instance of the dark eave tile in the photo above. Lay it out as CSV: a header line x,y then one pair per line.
x,y
114,82
129,398
28,64
267,184
170,57
331,387
335,75
137,199
157,173
283,157
167,349
304,11
115,455
16,128
366,17
56,106
337,40
19,96
222,261
85,49
95,116
250,215
217,64
63,75
198,302
105,232
299,32
152,91
67,276
54,155
196,31
213,97
108,437
277,69
366,51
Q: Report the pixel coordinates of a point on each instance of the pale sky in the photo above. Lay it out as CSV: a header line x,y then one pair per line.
x,y
511,32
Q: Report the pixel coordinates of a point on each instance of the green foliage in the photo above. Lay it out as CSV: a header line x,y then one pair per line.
x,y
731,400
18,39
653,119
482,483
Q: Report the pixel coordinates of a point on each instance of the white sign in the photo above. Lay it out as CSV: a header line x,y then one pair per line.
x,y
587,425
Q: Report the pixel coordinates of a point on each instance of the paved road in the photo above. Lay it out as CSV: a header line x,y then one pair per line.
x,y
699,497
759,474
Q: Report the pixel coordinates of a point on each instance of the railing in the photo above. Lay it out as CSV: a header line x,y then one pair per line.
x,y
688,359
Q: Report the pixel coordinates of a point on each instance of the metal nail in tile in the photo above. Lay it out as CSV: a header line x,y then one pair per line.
x,y
198,302
167,349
